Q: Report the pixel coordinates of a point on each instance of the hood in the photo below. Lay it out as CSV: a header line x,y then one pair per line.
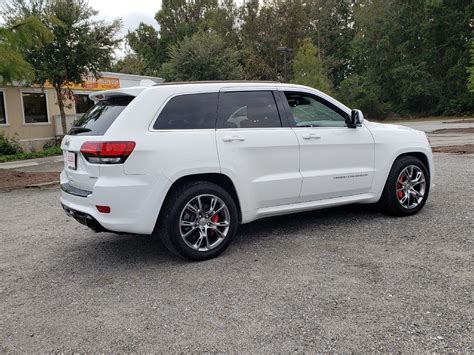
x,y
387,126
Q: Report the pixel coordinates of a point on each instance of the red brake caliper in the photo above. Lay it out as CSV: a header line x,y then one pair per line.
x,y
400,193
214,219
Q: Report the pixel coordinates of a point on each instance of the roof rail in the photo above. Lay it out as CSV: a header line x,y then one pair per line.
x,y
217,82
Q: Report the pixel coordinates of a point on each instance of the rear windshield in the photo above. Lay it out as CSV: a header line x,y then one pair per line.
x,y
100,117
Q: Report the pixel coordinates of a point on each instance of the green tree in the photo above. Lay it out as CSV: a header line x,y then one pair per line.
x,y
360,92
223,20
81,44
258,42
177,19
267,25
332,30
148,48
130,64
416,52
471,69
308,69
14,40
204,56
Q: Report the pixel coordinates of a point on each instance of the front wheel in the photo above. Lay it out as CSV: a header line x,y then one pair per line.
x,y
407,187
199,220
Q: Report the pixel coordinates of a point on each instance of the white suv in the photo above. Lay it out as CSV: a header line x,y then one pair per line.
x,y
190,162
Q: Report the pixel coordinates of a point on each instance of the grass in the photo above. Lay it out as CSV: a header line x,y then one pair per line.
x,y
31,155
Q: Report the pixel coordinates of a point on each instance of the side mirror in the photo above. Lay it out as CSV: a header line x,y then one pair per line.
x,y
356,118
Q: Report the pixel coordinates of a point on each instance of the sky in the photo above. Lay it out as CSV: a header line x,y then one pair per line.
x,y
132,12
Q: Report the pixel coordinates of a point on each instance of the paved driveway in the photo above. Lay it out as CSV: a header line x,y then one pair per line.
x,y
337,280
441,139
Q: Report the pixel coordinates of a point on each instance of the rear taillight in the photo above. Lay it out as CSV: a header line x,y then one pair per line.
x,y
107,152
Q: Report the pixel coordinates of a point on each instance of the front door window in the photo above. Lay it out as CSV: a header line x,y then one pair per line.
x,y
310,111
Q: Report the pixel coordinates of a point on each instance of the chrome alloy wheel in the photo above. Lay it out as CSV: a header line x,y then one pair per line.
x,y
204,222
411,187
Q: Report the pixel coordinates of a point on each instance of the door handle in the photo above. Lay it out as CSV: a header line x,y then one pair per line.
x,y
233,139
311,136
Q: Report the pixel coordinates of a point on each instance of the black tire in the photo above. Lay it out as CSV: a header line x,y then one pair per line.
x,y
168,227
389,200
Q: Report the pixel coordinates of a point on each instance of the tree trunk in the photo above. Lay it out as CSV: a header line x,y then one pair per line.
x,y
59,94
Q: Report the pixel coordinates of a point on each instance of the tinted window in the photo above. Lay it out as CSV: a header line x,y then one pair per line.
x,y
34,107
248,109
3,116
193,111
310,111
100,117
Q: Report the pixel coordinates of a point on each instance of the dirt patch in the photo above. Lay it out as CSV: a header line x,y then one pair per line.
x,y
453,130
11,179
455,149
469,120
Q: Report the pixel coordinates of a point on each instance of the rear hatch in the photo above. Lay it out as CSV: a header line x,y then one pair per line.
x,y
81,173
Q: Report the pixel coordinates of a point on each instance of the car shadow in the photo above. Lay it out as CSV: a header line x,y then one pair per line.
x,y
126,250
305,219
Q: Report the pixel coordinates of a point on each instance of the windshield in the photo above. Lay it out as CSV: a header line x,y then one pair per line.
x,y
100,117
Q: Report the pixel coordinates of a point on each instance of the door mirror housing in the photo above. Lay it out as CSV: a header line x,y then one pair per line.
x,y
356,118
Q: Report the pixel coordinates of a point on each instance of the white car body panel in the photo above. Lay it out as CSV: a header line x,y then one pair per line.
x,y
274,170
255,165
391,141
338,163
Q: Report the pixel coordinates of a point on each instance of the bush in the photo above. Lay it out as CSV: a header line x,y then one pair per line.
x,y
30,155
53,142
9,145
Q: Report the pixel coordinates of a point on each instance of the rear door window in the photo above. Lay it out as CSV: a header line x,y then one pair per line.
x,y
190,111
100,117
248,109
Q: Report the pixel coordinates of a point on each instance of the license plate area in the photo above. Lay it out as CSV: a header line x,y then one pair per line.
x,y
71,160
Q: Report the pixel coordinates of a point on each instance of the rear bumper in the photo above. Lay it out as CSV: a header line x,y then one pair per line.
x,y
66,187
134,201
85,219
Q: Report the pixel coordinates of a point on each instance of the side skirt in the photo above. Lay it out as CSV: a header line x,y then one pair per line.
x,y
250,216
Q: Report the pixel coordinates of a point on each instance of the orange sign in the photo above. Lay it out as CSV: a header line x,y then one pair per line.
x,y
91,83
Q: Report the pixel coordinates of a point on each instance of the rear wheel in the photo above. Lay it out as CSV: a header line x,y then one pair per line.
x,y
199,220
407,187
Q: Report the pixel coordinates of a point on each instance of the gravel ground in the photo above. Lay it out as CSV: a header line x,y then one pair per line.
x,y
336,280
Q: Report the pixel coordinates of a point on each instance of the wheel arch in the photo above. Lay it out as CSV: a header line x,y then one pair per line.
x,y
384,166
216,178
386,200
417,154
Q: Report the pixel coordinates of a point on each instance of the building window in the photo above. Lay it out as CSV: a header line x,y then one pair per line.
x,y
34,107
83,103
3,111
